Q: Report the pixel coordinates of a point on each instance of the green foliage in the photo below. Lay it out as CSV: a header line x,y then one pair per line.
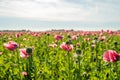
x,y
53,63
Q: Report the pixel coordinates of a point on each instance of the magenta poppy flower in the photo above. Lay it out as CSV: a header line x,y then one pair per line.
x,y
23,53
57,37
66,47
110,56
10,45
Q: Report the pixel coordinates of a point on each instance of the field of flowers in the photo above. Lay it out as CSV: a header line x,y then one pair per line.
x,y
61,55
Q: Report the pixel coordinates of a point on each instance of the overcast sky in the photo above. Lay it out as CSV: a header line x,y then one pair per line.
x,y
90,12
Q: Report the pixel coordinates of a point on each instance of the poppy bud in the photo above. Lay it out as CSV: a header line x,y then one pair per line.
x,y
48,34
29,50
78,52
69,36
115,43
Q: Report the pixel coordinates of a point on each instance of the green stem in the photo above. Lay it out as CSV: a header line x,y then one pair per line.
x,y
111,71
30,66
27,70
12,72
18,58
116,69
79,67
69,78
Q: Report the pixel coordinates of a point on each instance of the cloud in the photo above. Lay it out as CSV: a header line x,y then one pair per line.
x,y
63,10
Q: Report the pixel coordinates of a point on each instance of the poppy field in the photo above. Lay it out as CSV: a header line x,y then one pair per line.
x,y
60,55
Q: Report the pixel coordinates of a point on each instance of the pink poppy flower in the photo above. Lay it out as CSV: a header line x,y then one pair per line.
x,y
0,33
66,30
57,37
102,31
66,47
23,53
110,32
1,53
102,38
24,73
78,44
101,34
110,56
74,37
10,45
17,35
53,45
36,34
86,39
44,32
84,33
